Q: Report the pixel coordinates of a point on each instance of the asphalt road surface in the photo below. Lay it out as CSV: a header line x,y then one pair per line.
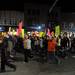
x,y
67,67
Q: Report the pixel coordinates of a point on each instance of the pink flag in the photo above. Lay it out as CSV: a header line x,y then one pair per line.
x,y
17,32
48,32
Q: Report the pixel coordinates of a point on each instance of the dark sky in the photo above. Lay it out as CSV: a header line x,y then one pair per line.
x,y
66,5
12,5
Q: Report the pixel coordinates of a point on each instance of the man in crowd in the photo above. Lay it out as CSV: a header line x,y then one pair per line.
x,y
4,54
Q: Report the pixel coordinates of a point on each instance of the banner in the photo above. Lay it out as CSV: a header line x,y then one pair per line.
x,y
22,33
57,31
48,32
17,32
41,34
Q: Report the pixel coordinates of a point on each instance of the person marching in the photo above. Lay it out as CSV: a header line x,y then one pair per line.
x,y
3,48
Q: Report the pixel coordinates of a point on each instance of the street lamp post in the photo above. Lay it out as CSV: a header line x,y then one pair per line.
x,y
53,6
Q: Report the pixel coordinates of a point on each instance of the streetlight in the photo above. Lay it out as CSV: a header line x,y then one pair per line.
x,y
39,27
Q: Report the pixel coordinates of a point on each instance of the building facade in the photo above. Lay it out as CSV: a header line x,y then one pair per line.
x,y
35,14
68,22
10,18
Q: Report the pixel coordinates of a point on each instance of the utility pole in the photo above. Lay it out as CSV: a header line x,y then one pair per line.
x,y
50,22
53,6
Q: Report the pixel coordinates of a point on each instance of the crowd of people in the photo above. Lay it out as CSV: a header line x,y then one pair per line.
x,y
47,48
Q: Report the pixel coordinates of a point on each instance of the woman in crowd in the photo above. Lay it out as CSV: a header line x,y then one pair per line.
x,y
52,49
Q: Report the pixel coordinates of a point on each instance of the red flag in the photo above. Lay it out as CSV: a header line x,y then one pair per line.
x,y
20,26
17,32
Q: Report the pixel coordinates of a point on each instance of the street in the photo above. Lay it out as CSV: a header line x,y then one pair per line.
x,y
67,67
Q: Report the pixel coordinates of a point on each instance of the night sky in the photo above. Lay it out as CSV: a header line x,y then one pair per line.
x,y
17,5
66,5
